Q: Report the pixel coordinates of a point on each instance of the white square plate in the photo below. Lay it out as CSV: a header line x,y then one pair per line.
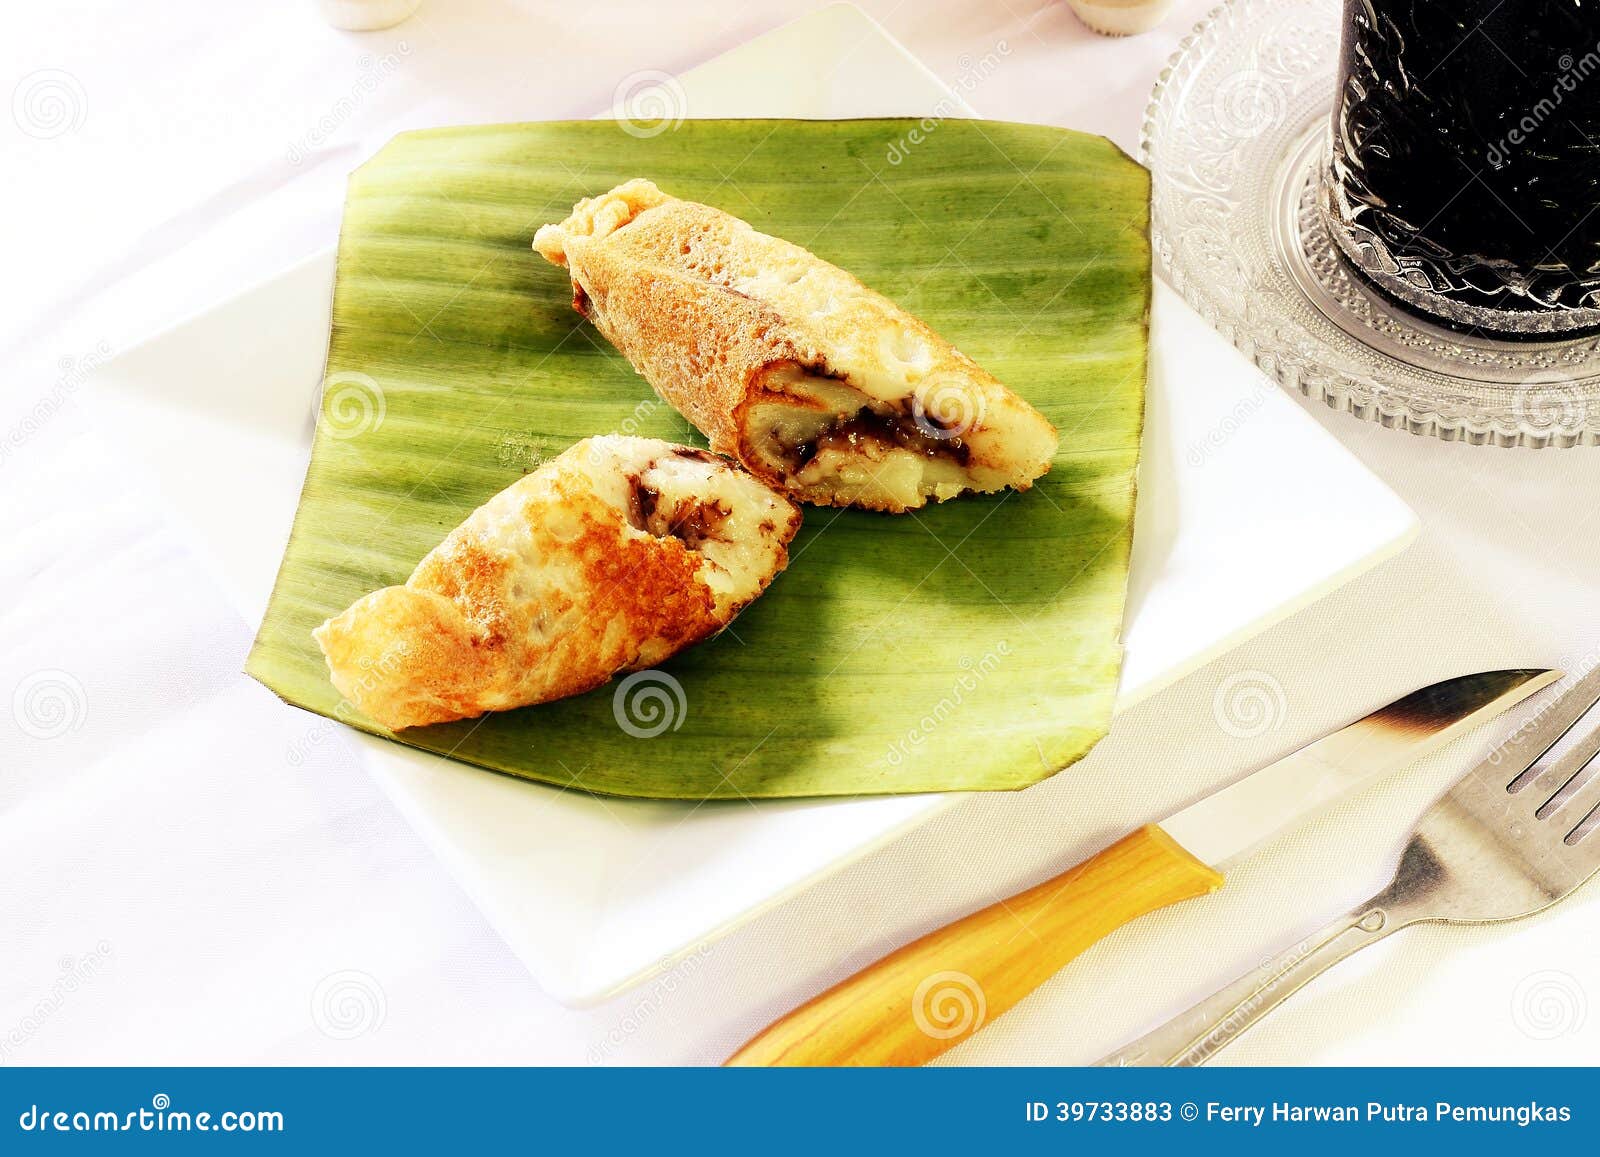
x,y
1248,511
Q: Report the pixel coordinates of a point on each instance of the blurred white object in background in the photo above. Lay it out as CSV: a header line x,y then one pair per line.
x,y
1121,17
366,15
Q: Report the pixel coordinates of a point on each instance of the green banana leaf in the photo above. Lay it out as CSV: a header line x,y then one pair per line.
x,y
969,646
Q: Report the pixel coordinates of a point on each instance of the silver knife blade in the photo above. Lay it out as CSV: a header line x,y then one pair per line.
x,y
1231,822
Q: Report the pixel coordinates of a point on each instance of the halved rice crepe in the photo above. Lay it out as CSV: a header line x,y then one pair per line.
x,y
611,557
810,379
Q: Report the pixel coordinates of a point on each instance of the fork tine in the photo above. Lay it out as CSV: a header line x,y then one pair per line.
x,y
1585,828
1575,816
1568,774
1573,808
1532,741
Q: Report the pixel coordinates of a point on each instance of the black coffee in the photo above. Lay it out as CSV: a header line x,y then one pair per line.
x,y
1466,162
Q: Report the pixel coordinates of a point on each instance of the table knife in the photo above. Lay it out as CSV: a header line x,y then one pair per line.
x,y
930,995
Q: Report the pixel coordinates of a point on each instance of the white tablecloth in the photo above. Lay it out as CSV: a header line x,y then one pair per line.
x,y
174,889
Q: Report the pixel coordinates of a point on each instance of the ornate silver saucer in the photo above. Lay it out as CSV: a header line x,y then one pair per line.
x,y
1236,137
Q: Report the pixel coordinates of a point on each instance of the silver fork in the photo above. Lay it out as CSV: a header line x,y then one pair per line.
x,y
1508,840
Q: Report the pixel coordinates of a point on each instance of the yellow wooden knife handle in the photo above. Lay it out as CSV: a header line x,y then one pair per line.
x,y
935,992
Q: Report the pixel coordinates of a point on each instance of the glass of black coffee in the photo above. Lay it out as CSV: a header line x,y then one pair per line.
x,y
1465,174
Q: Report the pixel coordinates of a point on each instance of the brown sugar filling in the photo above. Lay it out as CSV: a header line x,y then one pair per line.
x,y
867,426
691,523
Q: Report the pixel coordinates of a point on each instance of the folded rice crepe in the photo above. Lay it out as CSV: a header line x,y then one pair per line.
x,y
974,647
612,557
789,364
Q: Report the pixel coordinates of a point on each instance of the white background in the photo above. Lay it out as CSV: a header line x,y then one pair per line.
x,y
175,888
